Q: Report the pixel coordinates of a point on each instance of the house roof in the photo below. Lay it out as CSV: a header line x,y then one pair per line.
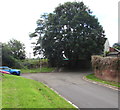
x,y
117,50
113,53
112,49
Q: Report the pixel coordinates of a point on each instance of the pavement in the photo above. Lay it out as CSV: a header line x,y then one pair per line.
x,y
80,92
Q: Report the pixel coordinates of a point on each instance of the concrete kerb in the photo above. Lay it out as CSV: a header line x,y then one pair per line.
x,y
98,83
62,97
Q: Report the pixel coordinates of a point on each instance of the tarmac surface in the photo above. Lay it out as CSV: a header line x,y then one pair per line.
x,y
82,93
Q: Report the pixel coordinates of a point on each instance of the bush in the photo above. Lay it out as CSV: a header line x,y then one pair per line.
x,y
12,62
34,63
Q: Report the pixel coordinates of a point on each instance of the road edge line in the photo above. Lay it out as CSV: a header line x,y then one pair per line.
x,y
62,96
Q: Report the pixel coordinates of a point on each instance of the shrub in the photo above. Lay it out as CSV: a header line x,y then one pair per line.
x,y
33,63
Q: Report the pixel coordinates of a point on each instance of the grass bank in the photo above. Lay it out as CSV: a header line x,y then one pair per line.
x,y
19,92
94,78
37,70
0,91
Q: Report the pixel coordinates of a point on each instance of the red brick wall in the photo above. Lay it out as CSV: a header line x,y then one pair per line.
x,y
112,49
106,68
108,75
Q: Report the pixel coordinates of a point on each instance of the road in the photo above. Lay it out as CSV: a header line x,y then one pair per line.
x,y
80,92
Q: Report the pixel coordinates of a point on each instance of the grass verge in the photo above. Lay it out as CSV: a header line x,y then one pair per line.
x,y
94,78
37,70
0,91
19,92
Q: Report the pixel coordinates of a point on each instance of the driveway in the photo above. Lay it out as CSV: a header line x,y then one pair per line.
x,y
80,92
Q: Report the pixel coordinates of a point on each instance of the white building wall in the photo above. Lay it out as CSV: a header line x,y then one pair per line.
x,y
106,46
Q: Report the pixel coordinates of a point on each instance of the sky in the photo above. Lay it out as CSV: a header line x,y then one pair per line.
x,y
18,18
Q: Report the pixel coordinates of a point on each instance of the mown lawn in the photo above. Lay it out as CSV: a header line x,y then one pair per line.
x,y
19,92
0,91
37,70
94,78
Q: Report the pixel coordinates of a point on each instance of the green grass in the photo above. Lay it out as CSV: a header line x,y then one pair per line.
x,y
36,60
94,78
0,91
19,92
37,70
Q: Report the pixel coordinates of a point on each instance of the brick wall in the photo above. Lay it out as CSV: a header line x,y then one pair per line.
x,y
106,68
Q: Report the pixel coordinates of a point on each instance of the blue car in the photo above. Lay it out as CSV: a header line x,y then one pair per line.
x,y
11,71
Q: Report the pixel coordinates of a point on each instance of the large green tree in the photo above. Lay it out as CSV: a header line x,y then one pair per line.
x,y
12,53
17,49
70,32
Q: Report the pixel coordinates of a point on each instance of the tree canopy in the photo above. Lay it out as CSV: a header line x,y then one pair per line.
x,y
12,52
17,49
70,32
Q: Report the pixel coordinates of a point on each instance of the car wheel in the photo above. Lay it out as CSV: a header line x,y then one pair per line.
x,y
14,73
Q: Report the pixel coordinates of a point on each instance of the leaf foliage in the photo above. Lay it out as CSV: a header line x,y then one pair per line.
x,y
70,32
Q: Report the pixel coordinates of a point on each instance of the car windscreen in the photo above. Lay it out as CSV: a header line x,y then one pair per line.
x,y
5,68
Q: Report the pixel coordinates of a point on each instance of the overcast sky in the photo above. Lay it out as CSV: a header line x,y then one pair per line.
x,y
18,17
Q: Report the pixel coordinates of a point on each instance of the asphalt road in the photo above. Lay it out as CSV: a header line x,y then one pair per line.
x,y
80,92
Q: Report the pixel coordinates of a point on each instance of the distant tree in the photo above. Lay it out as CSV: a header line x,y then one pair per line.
x,y
7,58
6,54
70,32
17,49
12,53
116,45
